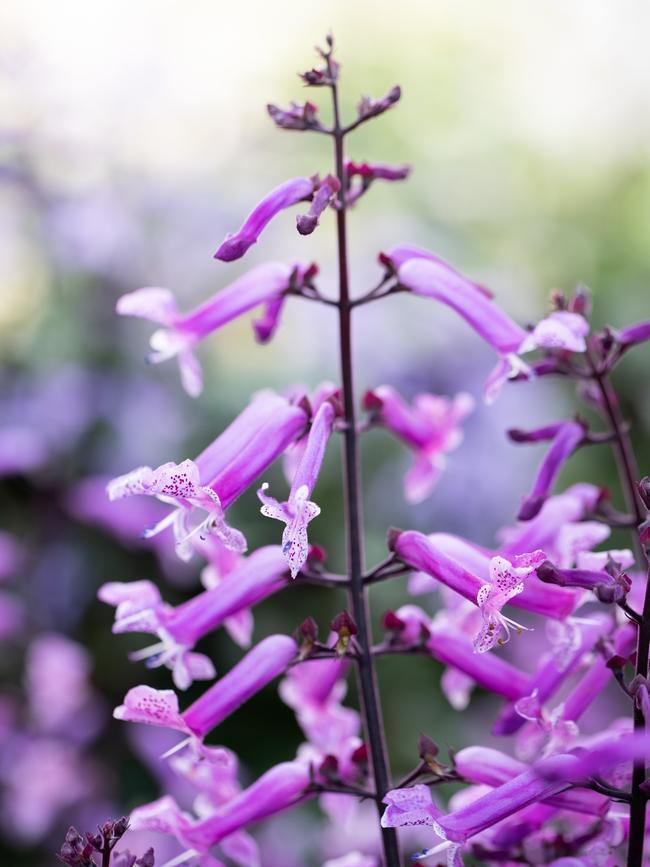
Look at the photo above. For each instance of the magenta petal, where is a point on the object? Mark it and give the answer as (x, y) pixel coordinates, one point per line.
(410, 806)
(158, 707)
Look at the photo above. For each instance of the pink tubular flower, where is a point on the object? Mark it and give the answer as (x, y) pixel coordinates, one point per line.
(431, 427)
(549, 601)
(505, 581)
(279, 789)
(525, 789)
(427, 275)
(566, 440)
(219, 474)
(139, 608)
(299, 510)
(287, 194)
(181, 332)
(160, 707)
(323, 196)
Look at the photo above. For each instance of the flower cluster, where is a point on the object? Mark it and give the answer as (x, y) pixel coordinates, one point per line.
(555, 793)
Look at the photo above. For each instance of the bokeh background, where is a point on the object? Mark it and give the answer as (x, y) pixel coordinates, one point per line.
(133, 136)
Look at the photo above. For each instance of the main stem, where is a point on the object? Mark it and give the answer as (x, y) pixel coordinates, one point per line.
(367, 678)
(628, 475)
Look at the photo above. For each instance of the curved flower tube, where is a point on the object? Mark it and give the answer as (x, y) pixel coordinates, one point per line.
(182, 332)
(427, 275)
(566, 440)
(327, 189)
(287, 194)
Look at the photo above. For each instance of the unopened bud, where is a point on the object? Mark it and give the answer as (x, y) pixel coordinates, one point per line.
(580, 302)
(644, 491)
(345, 628)
(368, 107)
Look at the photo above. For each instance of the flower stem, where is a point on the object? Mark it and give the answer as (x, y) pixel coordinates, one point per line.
(367, 678)
(628, 476)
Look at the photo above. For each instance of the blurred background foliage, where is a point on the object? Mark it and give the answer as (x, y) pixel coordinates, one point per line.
(134, 136)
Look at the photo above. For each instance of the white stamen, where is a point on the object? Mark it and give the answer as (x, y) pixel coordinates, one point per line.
(179, 746)
(181, 859)
(146, 652)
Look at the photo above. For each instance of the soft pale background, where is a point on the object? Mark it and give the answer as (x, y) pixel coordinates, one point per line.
(133, 136)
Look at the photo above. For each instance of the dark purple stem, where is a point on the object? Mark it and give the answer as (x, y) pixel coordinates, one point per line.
(628, 476)
(370, 703)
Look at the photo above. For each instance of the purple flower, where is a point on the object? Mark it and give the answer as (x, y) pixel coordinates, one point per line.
(160, 707)
(427, 275)
(431, 427)
(287, 194)
(490, 767)
(262, 664)
(299, 510)
(559, 528)
(521, 791)
(506, 580)
(598, 675)
(181, 332)
(558, 603)
(566, 440)
(323, 196)
(179, 483)
(139, 608)
(431, 277)
(607, 587)
(219, 474)
(278, 789)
